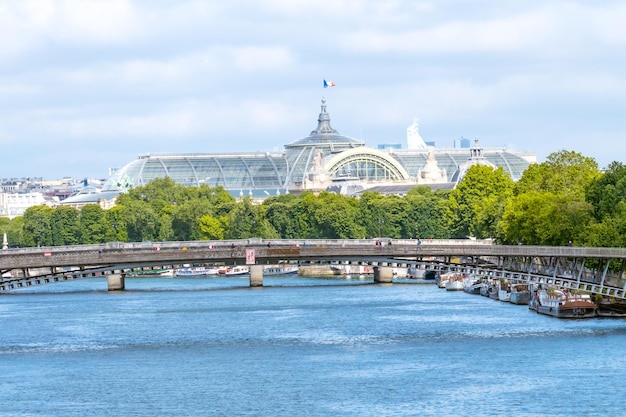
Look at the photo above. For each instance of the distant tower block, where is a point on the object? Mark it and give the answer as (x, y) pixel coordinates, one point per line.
(413, 138)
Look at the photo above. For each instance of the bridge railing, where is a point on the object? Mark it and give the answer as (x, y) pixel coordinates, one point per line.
(229, 250)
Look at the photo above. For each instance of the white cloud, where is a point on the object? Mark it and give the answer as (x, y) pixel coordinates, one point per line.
(607, 23)
(304, 8)
(178, 121)
(550, 28)
(264, 115)
(502, 34)
(11, 88)
(260, 58)
(142, 73)
(215, 70)
(93, 21)
(32, 24)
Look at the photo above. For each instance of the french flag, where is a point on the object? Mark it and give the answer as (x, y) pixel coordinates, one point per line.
(328, 84)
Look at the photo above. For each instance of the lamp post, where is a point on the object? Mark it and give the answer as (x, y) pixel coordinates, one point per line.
(381, 221)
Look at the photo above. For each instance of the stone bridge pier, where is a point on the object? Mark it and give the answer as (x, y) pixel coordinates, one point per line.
(116, 282)
(256, 275)
(383, 274)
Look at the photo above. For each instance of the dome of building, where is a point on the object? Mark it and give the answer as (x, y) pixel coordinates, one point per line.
(341, 156)
(324, 137)
(312, 162)
(476, 158)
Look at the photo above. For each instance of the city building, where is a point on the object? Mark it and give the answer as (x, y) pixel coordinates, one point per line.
(18, 194)
(462, 143)
(313, 162)
(14, 204)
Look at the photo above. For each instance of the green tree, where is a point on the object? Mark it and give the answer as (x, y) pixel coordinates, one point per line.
(14, 231)
(395, 209)
(426, 217)
(177, 207)
(36, 226)
(115, 219)
(221, 201)
(140, 221)
(545, 218)
(284, 214)
(166, 228)
(186, 219)
(280, 216)
(606, 192)
(480, 184)
(94, 226)
(563, 172)
(242, 220)
(264, 229)
(337, 217)
(372, 216)
(610, 232)
(488, 217)
(65, 226)
(5, 223)
(159, 193)
(211, 228)
(549, 206)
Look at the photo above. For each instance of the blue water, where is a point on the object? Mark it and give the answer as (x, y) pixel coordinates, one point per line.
(298, 347)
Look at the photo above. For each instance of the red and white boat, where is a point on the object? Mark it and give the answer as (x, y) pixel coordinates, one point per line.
(562, 303)
(236, 271)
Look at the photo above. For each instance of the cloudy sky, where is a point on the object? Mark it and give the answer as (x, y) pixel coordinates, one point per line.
(86, 85)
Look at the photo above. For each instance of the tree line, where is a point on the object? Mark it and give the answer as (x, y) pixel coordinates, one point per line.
(565, 200)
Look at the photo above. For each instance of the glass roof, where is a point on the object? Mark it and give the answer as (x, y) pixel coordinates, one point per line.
(288, 170)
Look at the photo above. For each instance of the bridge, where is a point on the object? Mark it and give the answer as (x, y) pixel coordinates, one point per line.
(590, 269)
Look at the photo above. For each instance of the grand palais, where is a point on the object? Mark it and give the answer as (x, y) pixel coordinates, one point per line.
(322, 160)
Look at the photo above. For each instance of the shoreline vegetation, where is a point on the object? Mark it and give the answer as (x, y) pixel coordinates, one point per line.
(566, 200)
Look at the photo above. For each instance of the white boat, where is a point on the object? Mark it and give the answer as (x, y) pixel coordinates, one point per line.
(472, 285)
(280, 270)
(562, 303)
(151, 273)
(237, 270)
(455, 283)
(504, 291)
(198, 271)
(442, 279)
(359, 270)
(520, 294)
(454, 286)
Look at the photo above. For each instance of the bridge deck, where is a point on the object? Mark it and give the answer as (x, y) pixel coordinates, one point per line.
(595, 270)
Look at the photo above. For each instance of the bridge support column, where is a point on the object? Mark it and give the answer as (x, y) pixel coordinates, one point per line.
(256, 275)
(116, 282)
(383, 274)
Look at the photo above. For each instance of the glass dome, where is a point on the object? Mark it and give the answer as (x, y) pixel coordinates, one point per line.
(324, 137)
(231, 171)
(324, 151)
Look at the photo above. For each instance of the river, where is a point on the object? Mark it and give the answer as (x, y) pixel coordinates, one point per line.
(298, 347)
